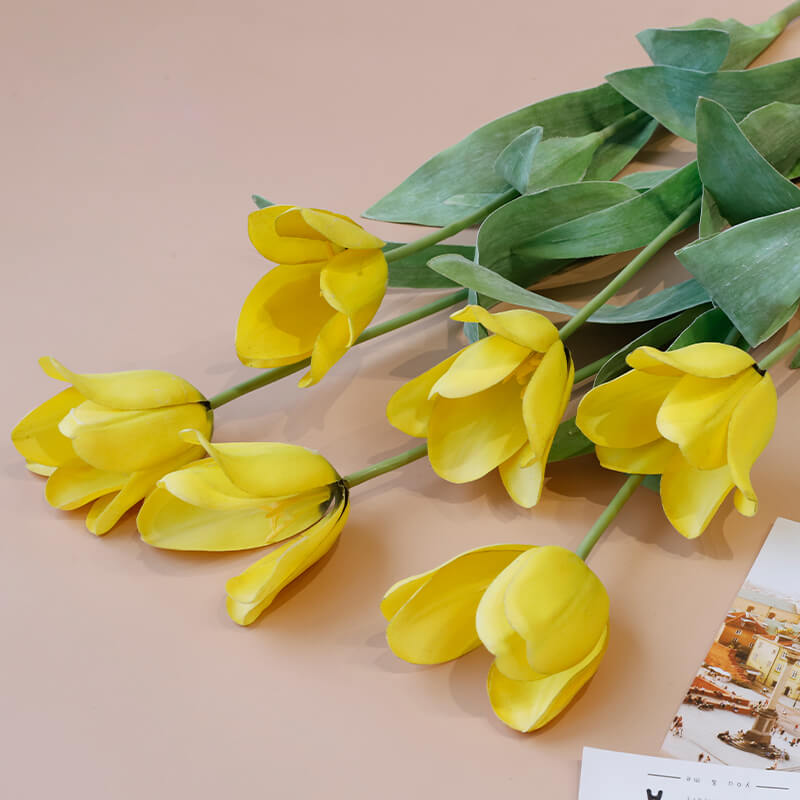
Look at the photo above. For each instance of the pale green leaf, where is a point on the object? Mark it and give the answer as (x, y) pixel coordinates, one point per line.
(515, 163)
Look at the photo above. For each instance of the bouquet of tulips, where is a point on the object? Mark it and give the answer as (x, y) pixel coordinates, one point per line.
(683, 408)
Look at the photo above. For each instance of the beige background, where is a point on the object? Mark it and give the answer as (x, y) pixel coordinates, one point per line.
(133, 134)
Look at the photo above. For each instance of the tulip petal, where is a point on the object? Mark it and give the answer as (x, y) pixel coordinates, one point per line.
(353, 280)
(268, 469)
(622, 412)
(76, 484)
(558, 606)
(340, 230)
(470, 436)
(131, 390)
(751, 427)
(479, 366)
(690, 497)
(205, 485)
(437, 622)
(525, 328)
(36, 435)
(282, 249)
(703, 359)
(529, 705)
(496, 633)
(523, 477)
(648, 459)
(128, 441)
(251, 592)
(282, 317)
(409, 408)
(545, 399)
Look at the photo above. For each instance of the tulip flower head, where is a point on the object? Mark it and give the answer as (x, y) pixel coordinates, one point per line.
(248, 495)
(540, 611)
(699, 416)
(109, 437)
(495, 403)
(329, 281)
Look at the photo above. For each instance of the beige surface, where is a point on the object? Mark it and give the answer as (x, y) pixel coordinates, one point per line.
(133, 135)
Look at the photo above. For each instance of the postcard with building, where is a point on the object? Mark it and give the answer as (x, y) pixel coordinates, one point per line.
(743, 706)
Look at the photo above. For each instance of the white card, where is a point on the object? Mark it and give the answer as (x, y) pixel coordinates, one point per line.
(606, 775)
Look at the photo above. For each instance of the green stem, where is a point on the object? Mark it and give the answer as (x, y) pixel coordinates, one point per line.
(677, 225)
(783, 17)
(611, 511)
(780, 351)
(387, 465)
(272, 375)
(590, 369)
(451, 229)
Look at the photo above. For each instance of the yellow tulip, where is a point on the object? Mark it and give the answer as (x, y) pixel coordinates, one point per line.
(698, 416)
(495, 403)
(330, 280)
(249, 495)
(108, 438)
(540, 611)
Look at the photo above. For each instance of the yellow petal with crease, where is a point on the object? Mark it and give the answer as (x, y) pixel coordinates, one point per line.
(127, 441)
(526, 328)
(354, 279)
(282, 317)
(283, 249)
(523, 477)
(622, 412)
(558, 606)
(205, 485)
(543, 401)
(648, 459)
(480, 365)
(470, 436)
(340, 230)
(751, 427)
(436, 622)
(409, 408)
(268, 469)
(691, 497)
(704, 360)
(36, 435)
(75, 485)
(496, 633)
(134, 389)
(251, 592)
(528, 705)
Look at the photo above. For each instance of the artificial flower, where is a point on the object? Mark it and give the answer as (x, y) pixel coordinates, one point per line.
(699, 416)
(540, 611)
(329, 281)
(109, 437)
(495, 403)
(249, 495)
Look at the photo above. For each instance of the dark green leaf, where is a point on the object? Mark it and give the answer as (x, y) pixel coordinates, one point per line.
(261, 202)
(795, 362)
(658, 336)
(653, 483)
(670, 93)
(486, 282)
(569, 442)
(711, 221)
(692, 48)
(462, 178)
(642, 181)
(752, 272)
(742, 182)
(619, 149)
(515, 163)
(712, 326)
(412, 271)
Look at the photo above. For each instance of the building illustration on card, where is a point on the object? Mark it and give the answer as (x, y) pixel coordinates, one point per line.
(743, 706)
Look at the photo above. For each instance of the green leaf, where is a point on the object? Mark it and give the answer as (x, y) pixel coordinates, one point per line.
(486, 282)
(752, 272)
(261, 202)
(692, 48)
(712, 326)
(642, 181)
(508, 228)
(741, 180)
(462, 177)
(474, 330)
(619, 149)
(562, 159)
(670, 94)
(569, 442)
(625, 226)
(657, 336)
(795, 362)
(412, 271)
(653, 483)
(711, 221)
(515, 163)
